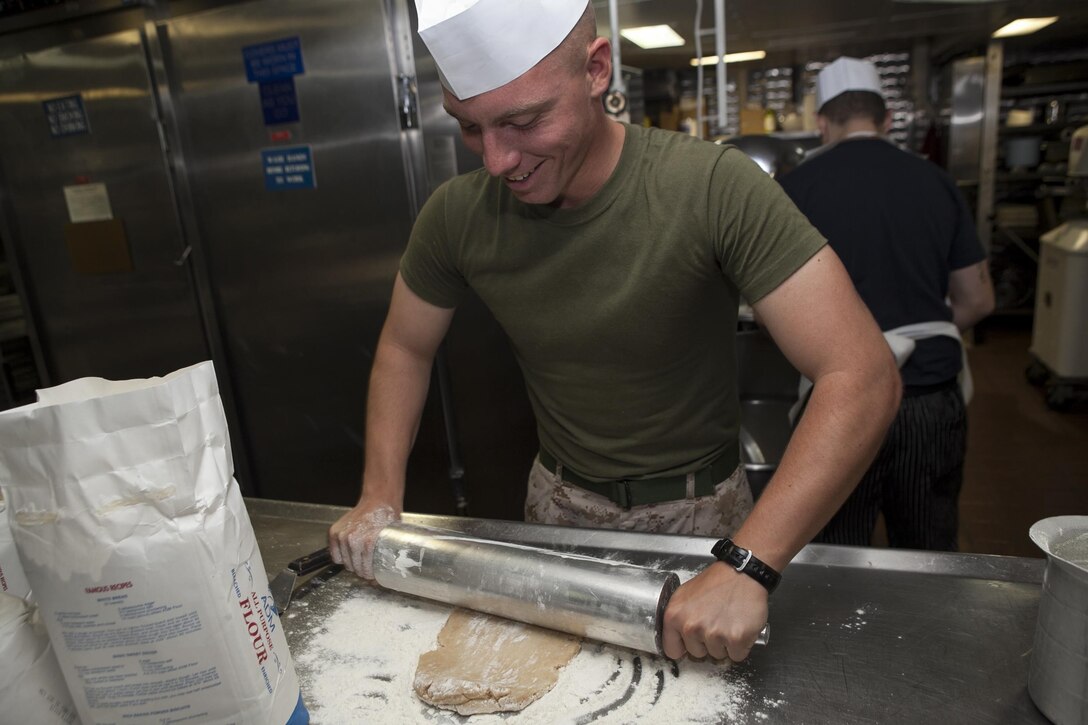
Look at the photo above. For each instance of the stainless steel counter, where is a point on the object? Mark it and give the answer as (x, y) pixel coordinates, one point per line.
(857, 635)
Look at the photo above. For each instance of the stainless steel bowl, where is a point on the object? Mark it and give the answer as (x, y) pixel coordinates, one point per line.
(776, 155)
(1058, 674)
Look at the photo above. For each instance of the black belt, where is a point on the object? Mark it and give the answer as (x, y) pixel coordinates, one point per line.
(913, 391)
(627, 492)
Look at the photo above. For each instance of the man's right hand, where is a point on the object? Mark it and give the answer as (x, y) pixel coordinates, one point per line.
(352, 538)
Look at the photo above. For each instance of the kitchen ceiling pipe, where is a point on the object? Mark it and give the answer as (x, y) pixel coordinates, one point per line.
(617, 74)
(719, 44)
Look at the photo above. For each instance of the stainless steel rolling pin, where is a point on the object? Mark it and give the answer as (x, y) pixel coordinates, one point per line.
(609, 601)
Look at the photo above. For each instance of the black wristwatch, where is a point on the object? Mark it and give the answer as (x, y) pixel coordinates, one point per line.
(743, 561)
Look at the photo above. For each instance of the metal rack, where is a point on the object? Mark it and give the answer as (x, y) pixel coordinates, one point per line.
(1014, 205)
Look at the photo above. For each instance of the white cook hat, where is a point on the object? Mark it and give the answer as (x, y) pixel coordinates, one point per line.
(846, 74)
(480, 45)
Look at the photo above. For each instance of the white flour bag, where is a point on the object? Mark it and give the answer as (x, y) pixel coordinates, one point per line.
(136, 542)
(12, 579)
(32, 689)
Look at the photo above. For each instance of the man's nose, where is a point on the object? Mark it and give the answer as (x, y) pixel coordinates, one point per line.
(500, 157)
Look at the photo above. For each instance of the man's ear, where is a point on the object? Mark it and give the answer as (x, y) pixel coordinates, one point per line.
(599, 66)
(887, 122)
(824, 126)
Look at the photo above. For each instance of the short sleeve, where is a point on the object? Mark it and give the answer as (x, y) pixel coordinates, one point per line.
(760, 235)
(427, 266)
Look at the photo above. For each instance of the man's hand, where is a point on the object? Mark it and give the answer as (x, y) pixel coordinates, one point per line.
(718, 613)
(353, 537)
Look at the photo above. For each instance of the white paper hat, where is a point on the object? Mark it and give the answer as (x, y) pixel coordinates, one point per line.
(846, 74)
(480, 45)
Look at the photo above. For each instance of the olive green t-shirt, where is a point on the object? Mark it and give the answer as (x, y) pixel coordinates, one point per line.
(622, 312)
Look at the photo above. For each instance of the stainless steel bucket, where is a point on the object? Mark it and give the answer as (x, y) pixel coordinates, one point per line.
(1058, 674)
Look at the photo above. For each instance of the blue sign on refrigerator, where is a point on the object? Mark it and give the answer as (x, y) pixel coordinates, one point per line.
(288, 168)
(66, 116)
(279, 103)
(273, 61)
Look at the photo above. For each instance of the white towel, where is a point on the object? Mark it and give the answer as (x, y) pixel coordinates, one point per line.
(902, 341)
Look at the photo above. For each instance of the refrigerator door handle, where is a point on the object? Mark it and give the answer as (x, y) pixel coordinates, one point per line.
(180, 261)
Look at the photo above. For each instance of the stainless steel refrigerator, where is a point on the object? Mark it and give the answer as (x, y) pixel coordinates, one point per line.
(237, 182)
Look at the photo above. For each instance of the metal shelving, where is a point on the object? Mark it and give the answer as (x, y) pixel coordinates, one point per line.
(1015, 205)
(1045, 89)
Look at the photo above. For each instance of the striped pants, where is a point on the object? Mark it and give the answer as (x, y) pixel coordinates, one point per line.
(915, 480)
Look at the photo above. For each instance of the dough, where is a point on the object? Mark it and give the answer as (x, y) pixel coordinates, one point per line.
(489, 664)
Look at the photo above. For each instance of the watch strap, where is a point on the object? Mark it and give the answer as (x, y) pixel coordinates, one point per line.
(745, 562)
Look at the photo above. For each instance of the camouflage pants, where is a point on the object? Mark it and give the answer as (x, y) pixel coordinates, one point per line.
(553, 501)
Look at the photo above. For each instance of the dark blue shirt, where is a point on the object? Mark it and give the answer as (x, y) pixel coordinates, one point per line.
(900, 226)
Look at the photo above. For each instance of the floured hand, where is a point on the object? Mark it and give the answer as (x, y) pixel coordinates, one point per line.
(718, 613)
(352, 538)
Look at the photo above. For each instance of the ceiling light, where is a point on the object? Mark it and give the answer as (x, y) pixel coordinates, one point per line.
(731, 57)
(653, 36)
(1023, 26)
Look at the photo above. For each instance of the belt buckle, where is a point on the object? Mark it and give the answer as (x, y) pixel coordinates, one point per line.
(621, 493)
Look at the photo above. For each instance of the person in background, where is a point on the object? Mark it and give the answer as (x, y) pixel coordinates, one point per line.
(614, 257)
(904, 233)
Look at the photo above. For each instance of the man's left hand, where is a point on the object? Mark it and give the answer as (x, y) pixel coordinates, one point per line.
(718, 613)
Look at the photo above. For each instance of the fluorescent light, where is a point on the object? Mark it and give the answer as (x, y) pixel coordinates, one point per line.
(653, 36)
(731, 57)
(1023, 26)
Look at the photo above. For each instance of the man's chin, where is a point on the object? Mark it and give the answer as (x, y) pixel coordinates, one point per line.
(534, 196)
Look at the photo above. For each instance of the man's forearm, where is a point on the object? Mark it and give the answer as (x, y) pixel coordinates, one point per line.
(842, 428)
(965, 317)
(399, 382)
(970, 294)
(720, 611)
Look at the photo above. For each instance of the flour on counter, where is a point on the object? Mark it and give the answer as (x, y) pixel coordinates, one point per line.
(857, 620)
(359, 664)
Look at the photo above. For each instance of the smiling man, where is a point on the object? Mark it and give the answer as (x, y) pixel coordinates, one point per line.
(615, 258)
(542, 133)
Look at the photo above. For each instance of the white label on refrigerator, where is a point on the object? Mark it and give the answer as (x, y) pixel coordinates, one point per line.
(88, 203)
